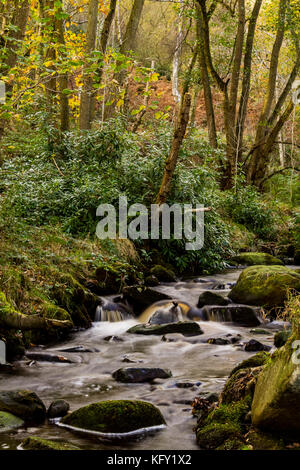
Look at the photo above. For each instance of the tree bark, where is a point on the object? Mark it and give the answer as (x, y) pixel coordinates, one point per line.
(209, 107)
(243, 105)
(63, 81)
(178, 137)
(85, 112)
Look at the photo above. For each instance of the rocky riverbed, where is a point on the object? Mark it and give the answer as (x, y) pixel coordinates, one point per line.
(199, 367)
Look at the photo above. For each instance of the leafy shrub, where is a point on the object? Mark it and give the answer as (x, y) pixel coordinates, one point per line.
(246, 206)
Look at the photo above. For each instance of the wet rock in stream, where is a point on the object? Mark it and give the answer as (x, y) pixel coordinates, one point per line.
(211, 298)
(254, 345)
(46, 357)
(187, 328)
(244, 315)
(79, 349)
(25, 404)
(115, 416)
(8, 422)
(138, 375)
(57, 409)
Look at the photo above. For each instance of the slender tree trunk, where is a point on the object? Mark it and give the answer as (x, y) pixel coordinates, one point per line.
(63, 81)
(103, 45)
(128, 43)
(243, 106)
(178, 137)
(85, 112)
(209, 107)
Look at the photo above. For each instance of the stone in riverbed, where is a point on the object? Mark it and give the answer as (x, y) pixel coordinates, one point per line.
(57, 409)
(255, 259)
(211, 298)
(37, 443)
(187, 328)
(163, 274)
(142, 374)
(46, 357)
(266, 286)
(115, 416)
(244, 315)
(254, 345)
(23, 403)
(8, 422)
(141, 297)
(223, 340)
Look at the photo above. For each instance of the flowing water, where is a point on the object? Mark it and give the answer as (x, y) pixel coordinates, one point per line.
(203, 367)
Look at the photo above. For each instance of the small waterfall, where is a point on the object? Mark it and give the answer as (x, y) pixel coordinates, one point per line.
(103, 314)
(218, 314)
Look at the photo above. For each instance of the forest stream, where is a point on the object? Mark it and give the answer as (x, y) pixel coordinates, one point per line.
(197, 368)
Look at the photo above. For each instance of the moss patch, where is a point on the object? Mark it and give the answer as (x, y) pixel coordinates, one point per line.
(252, 259)
(37, 443)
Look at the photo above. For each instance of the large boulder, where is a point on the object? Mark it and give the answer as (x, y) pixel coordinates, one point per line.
(276, 401)
(25, 404)
(8, 422)
(252, 259)
(140, 374)
(115, 416)
(244, 315)
(187, 328)
(266, 286)
(141, 297)
(211, 298)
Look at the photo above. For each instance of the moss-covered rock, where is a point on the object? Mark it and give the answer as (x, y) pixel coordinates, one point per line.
(266, 286)
(252, 259)
(8, 422)
(264, 441)
(226, 422)
(163, 274)
(37, 443)
(257, 360)
(281, 337)
(25, 404)
(187, 328)
(276, 401)
(214, 435)
(115, 416)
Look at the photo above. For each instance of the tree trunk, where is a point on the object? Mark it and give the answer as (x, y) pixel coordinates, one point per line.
(85, 112)
(103, 45)
(128, 43)
(209, 107)
(243, 106)
(63, 81)
(178, 137)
